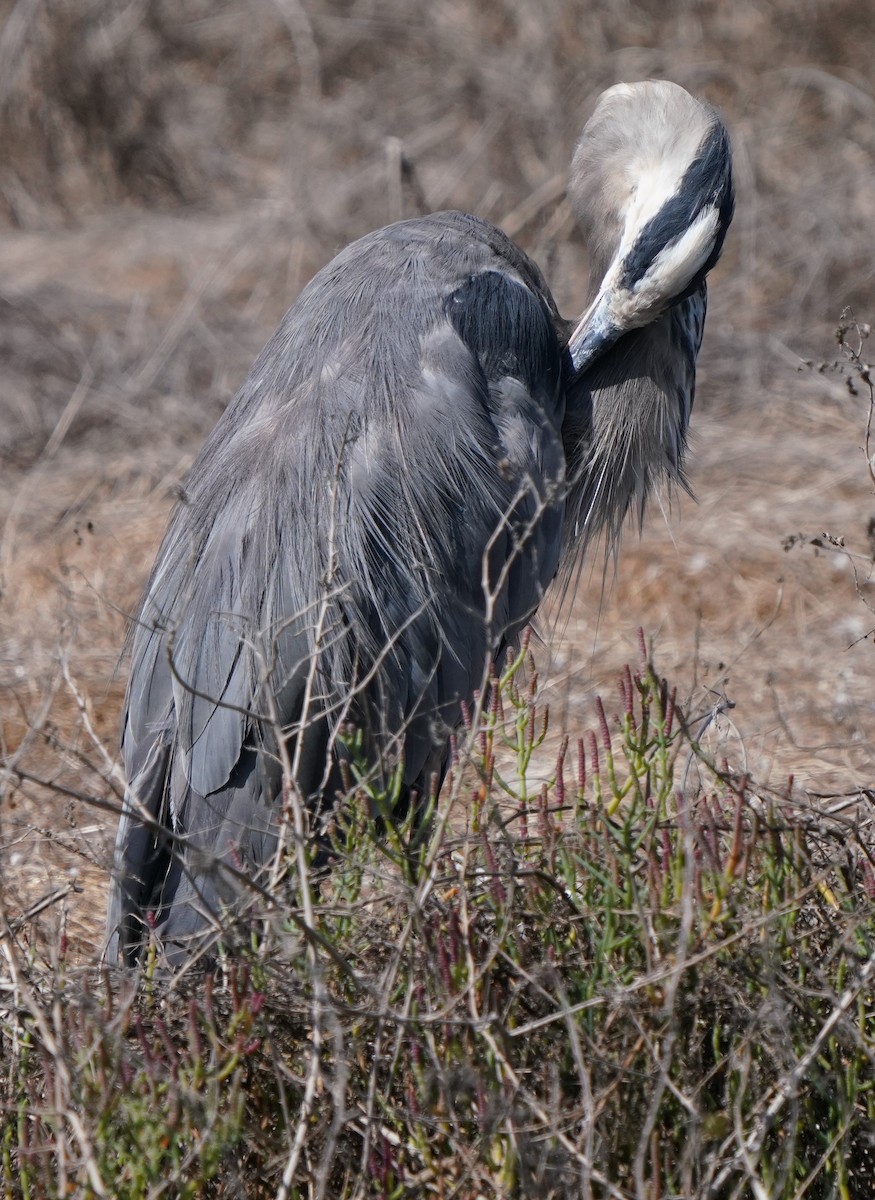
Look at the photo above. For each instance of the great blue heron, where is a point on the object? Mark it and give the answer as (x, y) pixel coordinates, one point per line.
(417, 451)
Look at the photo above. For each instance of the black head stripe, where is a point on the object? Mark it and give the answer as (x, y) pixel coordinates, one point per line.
(707, 183)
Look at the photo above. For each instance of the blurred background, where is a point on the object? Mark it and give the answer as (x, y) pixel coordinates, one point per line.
(173, 171)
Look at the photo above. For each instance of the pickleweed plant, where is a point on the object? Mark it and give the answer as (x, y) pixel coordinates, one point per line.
(603, 964)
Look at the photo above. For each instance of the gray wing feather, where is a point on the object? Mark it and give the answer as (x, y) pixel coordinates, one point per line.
(400, 430)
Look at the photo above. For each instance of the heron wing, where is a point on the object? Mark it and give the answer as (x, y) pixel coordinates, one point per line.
(456, 501)
(381, 499)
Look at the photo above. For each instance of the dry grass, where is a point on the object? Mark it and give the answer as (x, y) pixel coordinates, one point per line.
(173, 173)
(642, 977)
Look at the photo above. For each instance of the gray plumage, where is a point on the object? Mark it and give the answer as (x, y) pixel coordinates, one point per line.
(419, 449)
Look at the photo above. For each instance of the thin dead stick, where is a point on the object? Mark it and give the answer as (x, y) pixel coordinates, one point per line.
(41, 905)
(63, 1078)
(752, 1145)
(584, 1161)
(110, 764)
(662, 974)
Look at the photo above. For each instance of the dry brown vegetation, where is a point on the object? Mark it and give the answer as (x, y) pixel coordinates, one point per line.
(170, 176)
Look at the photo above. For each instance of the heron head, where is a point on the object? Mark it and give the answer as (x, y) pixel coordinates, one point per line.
(651, 185)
